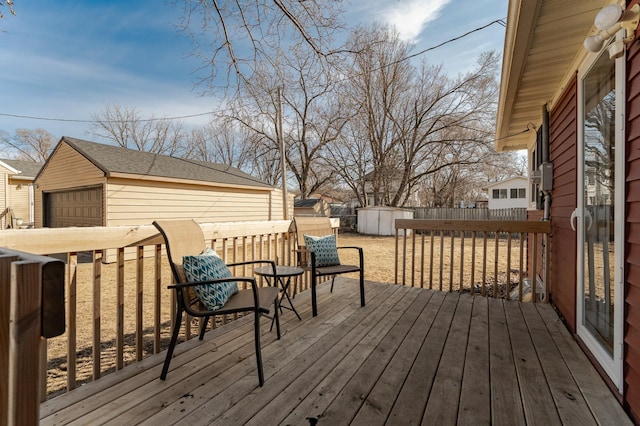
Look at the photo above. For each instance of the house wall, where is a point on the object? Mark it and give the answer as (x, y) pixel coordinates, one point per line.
(563, 136)
(19, 200)
(632, 234)
(66, 169)
(135, 202)
(4, 189)
(12, 196)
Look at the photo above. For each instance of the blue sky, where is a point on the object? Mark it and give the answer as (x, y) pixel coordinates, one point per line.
(68, 59)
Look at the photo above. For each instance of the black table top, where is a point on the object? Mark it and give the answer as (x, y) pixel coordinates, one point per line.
(281, 271)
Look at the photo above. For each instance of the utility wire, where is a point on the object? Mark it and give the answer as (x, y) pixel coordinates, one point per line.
(29, 117)
(501, 22)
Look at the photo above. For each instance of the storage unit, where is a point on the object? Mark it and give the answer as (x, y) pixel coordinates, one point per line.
(379, 220)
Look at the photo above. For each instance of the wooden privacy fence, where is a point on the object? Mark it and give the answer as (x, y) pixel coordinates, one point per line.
(120, 312)
(31, 309)
(506, 259)
(469, 214)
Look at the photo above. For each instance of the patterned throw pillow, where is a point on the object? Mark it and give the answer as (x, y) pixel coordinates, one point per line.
(325, 249)
(209, 266)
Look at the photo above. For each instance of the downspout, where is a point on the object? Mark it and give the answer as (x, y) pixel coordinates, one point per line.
(547, 168)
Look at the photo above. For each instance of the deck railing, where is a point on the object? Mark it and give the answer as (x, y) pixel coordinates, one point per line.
(505, 259)
(118, 307)
(31, 309)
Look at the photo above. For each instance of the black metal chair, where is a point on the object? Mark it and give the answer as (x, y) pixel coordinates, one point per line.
(321, 226)
(185, 238)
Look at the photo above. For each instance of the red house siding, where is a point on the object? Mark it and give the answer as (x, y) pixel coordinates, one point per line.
(632, 237)
(563, 139)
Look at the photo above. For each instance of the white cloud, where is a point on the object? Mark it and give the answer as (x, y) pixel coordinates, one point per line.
(410, 17)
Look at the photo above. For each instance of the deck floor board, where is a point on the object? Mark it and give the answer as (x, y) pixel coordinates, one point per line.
(410, 356)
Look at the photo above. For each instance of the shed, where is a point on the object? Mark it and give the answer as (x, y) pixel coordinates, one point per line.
(380, 220)
(90, 184)
(312, 206)
(17, 192)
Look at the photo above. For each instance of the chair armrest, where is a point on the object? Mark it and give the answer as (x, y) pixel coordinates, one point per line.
(350, 247)
(360, 253)
(216, 281)
(255, 262)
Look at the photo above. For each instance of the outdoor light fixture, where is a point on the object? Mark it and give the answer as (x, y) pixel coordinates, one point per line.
(609, 21)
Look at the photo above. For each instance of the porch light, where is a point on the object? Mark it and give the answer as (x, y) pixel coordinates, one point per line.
(609, 21)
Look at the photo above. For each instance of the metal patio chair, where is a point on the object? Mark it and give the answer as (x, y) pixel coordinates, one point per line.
(185, 238)
(320, 226)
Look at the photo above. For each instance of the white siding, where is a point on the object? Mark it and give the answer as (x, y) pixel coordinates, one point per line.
(519, 183)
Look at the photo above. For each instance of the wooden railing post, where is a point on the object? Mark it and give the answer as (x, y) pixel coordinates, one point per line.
(24, 352)
(5, 309)
(31, 308)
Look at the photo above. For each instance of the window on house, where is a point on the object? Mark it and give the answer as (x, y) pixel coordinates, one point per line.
(499, 193)
(518, 193)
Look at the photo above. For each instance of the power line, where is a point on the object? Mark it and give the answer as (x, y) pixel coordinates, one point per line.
(179, 117)
(422, 52)
(500, 22)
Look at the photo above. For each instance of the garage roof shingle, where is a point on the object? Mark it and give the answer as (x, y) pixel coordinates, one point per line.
(27, 169)
(114, 159)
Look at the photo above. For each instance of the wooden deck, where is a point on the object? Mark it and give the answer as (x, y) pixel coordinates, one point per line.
(410, 356)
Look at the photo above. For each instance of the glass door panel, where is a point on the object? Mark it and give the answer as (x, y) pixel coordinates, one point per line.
(598, 186)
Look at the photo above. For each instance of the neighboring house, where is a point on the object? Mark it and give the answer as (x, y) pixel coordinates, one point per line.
(577, 112)
(312, 206)
(89, 184)
(508, 193)
(16, 191)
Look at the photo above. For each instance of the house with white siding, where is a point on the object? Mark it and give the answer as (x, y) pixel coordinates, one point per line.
(90, 184)
(508, 193)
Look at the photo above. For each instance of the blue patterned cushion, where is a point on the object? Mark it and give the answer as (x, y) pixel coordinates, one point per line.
(209, 266)
(325, 249)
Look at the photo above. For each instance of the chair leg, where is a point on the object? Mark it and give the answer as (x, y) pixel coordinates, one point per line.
(203, 327)
(314, 302)
(277, 318)
(361, 288)
(172, 344)
(258, 352)
(333, 280)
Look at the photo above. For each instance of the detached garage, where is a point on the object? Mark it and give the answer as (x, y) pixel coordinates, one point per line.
(90, 184)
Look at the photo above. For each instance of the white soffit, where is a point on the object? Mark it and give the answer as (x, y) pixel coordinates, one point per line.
(543, 44)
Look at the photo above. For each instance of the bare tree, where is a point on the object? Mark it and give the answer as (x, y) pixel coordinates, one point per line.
(125, 127)
(29, 145)
(9, 3)
(416, 119)
(234, 37)
(313, 117)
(224, 141)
